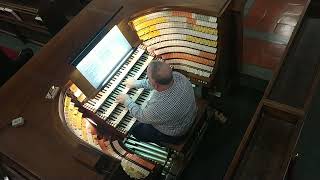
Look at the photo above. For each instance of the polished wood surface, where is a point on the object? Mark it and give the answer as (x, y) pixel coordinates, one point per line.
(42, 145)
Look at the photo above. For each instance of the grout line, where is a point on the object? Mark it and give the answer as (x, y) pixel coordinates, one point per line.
(265, 36)
(256, 71)
(247, 7)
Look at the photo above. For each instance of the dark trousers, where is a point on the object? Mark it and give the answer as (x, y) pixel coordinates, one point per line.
(147, 133)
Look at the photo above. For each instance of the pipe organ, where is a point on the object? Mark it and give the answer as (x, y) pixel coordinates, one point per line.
(118, 117)
(88, 128)
(188, 42)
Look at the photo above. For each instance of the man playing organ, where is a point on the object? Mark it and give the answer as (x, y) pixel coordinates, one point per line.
(171, 110)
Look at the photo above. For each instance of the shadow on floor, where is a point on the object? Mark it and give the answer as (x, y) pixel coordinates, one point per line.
(220, 141)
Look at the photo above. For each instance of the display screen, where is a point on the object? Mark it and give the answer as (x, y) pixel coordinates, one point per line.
(104, 57)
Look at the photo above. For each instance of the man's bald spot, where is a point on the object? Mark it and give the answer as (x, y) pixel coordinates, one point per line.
(161, 72)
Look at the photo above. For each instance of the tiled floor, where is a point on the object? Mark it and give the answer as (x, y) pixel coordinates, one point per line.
(268, 25)
(262, 53)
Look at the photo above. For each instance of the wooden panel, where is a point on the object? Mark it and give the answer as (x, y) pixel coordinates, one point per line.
(270, 139)
(267, 151)
(298, 71)
(20, 20)
(283, 111)
(42, 144)
(210, 7)
(14, 170)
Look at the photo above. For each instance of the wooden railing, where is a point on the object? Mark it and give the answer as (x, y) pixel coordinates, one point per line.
(269, 143)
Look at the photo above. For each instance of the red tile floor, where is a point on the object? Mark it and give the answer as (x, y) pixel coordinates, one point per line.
(268, 26)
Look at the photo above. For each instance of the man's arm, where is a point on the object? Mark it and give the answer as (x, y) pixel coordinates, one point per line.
(143, 115)
(132, 83)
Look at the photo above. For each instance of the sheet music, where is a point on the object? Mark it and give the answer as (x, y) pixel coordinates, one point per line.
(104, 57)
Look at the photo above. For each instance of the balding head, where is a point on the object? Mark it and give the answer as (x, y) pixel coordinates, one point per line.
(160, 72)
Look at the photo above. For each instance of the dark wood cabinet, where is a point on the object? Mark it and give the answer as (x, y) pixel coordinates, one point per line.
(12, 170)
(36, 21)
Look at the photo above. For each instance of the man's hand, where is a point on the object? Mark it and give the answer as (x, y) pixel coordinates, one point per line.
(121, 98)
(130, 83)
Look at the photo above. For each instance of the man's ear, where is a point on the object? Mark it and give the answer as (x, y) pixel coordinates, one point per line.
(156, 85)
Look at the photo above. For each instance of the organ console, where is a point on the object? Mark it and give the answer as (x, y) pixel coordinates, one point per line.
(83, 127)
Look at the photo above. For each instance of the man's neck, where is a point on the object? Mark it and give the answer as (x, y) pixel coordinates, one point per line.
(164, 87)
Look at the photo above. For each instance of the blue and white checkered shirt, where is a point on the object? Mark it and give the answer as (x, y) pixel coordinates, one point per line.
(171, 111)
